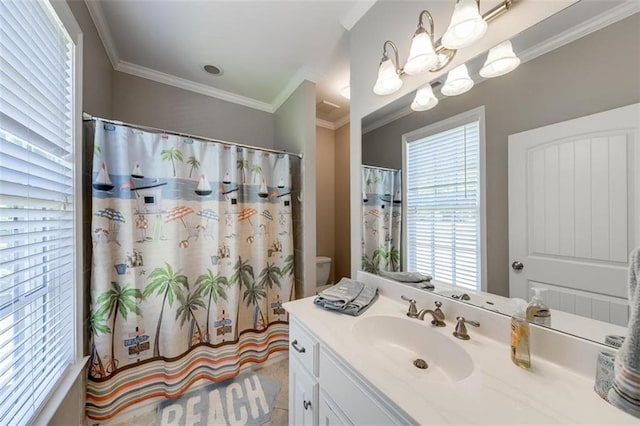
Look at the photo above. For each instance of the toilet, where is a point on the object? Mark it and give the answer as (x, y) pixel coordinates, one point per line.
(323, 270)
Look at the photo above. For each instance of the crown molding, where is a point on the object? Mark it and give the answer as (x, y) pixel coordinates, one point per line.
(332, 125)
(301, 75)
(583, 29)
(325, 124)
(291, 87)
(192, 86)
(342, 121)
(100, 22)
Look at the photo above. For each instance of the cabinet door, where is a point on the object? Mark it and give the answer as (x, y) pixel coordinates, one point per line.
(303, 396)
(329, 414)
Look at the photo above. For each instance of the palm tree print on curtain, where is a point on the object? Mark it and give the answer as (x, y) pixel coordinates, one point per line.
(211, 286)
(97, 325)
(382, 219)
(169, 284)
(203, 261)
(194, 163)
(118, 300)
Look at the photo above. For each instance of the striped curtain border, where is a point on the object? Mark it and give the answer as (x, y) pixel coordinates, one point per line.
(170, 379)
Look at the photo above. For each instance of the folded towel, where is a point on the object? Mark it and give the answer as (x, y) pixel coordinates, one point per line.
(415, 279)
(367, 296)
(625, 393)
(339, 295)
(348, 296)
(406, 277)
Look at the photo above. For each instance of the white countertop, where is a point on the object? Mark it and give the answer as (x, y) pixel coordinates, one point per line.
(497, 392)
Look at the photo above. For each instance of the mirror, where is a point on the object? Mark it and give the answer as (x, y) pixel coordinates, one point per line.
(573, 78)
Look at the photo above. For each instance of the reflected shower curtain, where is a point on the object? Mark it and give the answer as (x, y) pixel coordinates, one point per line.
(192, 260)
(382, 219)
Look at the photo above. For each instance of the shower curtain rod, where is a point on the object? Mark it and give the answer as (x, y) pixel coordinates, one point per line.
(88, 117)
(381, 168)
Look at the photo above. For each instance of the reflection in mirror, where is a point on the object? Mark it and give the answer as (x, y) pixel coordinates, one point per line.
(381, 219)
(552, 85)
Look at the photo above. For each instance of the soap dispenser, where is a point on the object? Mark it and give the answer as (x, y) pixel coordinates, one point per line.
(537, 311)
(520, 335)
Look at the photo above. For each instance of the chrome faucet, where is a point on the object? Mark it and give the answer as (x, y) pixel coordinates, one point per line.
(463, 296)
(437, 315)
(461, 329)
(413, 311)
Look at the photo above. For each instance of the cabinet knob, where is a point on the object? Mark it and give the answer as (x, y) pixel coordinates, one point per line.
(306, 404)
(295, 346)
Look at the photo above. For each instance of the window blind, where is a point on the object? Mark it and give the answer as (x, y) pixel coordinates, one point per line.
(443, 205)
(36, 207)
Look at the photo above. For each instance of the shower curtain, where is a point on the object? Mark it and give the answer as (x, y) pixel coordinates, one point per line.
(382, 219)
(192, 260)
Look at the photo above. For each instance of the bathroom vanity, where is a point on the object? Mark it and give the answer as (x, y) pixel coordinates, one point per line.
(360, 370)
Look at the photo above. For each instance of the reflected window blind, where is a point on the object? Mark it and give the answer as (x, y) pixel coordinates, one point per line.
(36, 207)
(443, 205)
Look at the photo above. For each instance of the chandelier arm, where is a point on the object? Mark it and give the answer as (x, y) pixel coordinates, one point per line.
(395, 51)
(431, 25)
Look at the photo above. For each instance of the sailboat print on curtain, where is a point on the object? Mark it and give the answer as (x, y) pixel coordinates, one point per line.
(137, 172)
(189, 287)
(103, 181)
(203, 188)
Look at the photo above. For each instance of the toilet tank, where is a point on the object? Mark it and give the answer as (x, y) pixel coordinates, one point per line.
(323, 270)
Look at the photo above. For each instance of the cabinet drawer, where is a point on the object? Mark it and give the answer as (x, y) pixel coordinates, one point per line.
(303, 347)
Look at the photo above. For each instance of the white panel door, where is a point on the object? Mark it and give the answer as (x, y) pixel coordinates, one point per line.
(574, 211)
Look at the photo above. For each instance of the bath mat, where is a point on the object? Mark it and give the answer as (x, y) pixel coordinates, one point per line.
(247, 399)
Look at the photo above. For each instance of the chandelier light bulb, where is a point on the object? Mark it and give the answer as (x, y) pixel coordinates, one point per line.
(500, 61)
(388, 81)
(458, 81)
(425, 99)
(466, 27)
(422, 57)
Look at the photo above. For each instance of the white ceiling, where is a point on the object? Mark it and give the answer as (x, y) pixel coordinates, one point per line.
(266, 48)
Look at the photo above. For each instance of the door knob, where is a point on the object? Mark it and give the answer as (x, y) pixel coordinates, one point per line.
(517, 266)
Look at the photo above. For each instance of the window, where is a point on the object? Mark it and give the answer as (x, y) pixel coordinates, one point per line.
(444, 200)
(38, 268)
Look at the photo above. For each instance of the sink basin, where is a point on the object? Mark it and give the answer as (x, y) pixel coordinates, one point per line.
(395, 343)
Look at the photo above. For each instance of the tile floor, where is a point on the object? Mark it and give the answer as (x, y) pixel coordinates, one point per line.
(280, 416)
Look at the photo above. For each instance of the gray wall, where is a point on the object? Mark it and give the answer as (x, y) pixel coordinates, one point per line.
(295, 131)
(97, 70)
(141, 101)
(596, 73)
(342, 262)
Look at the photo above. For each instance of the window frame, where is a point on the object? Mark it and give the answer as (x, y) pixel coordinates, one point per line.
(475, 114)
(73, 374)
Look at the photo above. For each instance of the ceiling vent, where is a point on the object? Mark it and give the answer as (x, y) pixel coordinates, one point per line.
(213, 70)
(326, 107)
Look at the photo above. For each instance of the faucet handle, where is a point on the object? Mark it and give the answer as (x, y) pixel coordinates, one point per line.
(438, 304)
(461, 330)
(413, 310)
